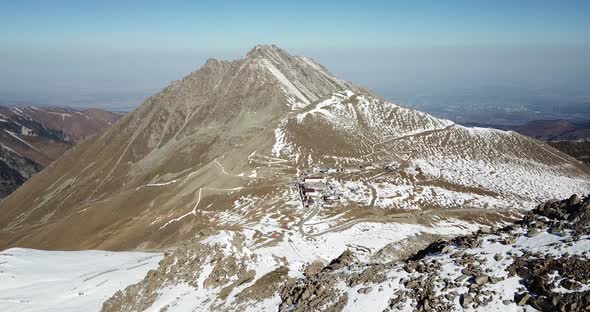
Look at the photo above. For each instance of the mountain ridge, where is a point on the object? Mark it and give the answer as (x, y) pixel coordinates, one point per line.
(547, 129)
(178, 126)
(210, 147)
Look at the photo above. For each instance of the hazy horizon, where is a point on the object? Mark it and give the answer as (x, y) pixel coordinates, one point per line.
(114, 56)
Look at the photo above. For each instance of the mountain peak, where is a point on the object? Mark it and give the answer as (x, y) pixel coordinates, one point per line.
(264, 49)
(302, 80)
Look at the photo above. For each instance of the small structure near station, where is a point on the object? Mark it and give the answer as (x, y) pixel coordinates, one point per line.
(316, 191)
(393, 166)
(327, 170)
(315, 179)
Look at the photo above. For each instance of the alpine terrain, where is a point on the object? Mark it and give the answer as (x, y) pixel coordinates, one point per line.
(580, 149)
(271, 184)
(32, 137)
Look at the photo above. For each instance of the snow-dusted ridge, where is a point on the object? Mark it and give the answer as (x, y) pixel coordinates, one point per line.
(455, 166)
(293, 74)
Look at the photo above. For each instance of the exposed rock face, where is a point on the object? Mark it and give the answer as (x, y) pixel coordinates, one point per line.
(14, 171)
(318, 293)
(201, 266)
(537, 275)
(32, 137)
(345, 259)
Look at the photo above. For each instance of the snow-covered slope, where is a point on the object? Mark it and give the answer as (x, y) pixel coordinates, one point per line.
(37, 280)
(439, 163)
(540, 261)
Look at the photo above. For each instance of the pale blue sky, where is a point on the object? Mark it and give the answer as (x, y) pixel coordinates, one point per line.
(114, 54)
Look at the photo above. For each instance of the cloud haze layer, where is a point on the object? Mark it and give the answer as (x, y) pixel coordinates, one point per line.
(114, 55)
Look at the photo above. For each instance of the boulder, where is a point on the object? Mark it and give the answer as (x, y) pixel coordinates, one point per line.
(574, 200)
(345, 259)
(365, 290)
(555, 230)
(482, 279)
(411, 284)
(458, 254)
(447, 249)
(533, 232)
(485, 230)
(521, 298)
(465, 300)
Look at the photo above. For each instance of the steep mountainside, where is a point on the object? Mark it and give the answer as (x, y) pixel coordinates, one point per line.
(578, 149)
(223, 107)
(32, 137)
(285, 165)
(14, 170)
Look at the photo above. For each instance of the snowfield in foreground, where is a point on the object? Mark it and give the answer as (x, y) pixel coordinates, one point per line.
(37, 280)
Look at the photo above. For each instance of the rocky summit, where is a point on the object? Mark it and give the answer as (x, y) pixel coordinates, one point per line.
(268, 183)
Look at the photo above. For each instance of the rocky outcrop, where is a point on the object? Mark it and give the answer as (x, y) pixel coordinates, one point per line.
(499, 267)
(198, 266)
(537, 275)
(14, 171)
(524, 269)
(318, 293)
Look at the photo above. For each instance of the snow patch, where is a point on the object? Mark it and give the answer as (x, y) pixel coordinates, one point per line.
(38, 280)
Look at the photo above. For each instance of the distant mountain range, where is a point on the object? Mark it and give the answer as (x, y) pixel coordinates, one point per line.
(502, 106)
(547, 130)
(32, 137)
(556, 130)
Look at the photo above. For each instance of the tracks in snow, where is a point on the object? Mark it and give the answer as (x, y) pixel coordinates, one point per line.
(401, 217)
(406, 136)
